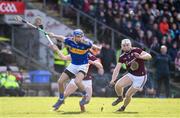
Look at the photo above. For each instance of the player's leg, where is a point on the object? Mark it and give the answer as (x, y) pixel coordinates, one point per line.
(89, 93)
(64, 77)
(119, 88)
(79, 77)
(121, 84)
(61, 82)
(131, 91)
(78, 81)
(67, 74)
(137, 85)
(88, 88)
(82, 71)
(70, 88)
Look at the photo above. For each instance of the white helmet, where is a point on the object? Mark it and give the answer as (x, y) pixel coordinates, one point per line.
(126, 41)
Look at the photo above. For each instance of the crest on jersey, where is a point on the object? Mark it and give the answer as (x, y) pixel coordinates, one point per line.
(134, 66)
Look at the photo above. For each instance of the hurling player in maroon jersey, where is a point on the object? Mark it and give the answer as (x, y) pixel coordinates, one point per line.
(136, 77)
(87, 81)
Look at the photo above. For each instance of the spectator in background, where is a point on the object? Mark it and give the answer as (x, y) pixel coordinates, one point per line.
(173, 51)
(162, 71)
(163, 40)
(177, 61)
(156, 32)
(11, 84)
(109, 17)
(155, 45)
(100, 8)
(6, 57)
(177, 67)
(149, 38)
(175, 32)
(146, 15)
(129, 30)
(38, 22)
(164, 26)
(168, 41)
(101, 17)
(108, 58)
(2, 82)
(142, 38)
(137, 30)
(115, 9)
(86, 6)
(94, 8)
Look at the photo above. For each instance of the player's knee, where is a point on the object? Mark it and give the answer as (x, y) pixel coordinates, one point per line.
(77, 81)
(118, 86)
(60, 81)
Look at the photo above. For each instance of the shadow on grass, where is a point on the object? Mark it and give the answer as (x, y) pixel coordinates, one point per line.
(126, 112)
(72, 112)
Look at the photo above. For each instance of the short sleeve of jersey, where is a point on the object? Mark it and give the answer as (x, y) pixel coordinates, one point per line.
(90, 44)
(138, 50)
(66, 41)
(121, 59)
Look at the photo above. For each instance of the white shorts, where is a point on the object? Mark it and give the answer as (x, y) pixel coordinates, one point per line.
(137, 81)
(76, 68)
(86, 83)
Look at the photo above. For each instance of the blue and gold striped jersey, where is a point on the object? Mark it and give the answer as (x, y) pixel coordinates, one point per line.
(78, 51)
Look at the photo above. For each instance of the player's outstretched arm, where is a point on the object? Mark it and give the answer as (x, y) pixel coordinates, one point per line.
(115, 73)
(58, 37)
(144, 55)
(61, 55)
(64, 57)
(98, 65)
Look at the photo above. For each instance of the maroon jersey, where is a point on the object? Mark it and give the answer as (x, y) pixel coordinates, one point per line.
(90, 70)
(134, 66)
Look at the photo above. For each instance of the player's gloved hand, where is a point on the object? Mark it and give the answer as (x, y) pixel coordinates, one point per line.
(50, 34)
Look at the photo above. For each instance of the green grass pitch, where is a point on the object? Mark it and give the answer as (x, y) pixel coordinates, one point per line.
(40, 107)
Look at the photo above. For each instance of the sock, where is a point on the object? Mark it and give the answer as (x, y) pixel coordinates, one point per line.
(84, 93)
(61, 96)
(120, 97)
(123, 107)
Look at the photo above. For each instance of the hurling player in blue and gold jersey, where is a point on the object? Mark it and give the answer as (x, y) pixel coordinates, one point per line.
(78, 47)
